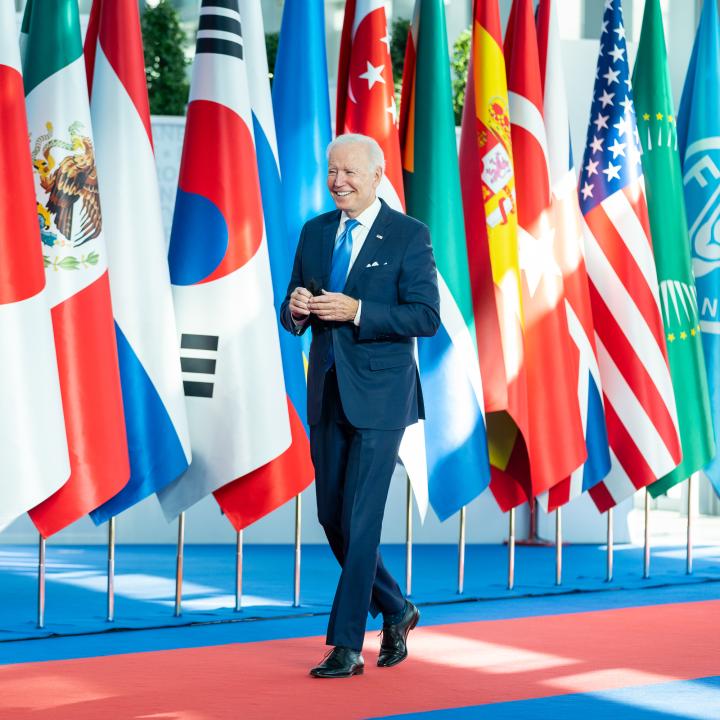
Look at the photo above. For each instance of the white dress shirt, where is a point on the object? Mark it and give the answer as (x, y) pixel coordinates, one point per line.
(359, 234)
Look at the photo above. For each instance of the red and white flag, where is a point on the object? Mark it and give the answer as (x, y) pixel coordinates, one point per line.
(34, 459)
(554, 443)
(366, 104)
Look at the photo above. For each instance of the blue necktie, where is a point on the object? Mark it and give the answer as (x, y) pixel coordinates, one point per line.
(341, 257)
(339, 271)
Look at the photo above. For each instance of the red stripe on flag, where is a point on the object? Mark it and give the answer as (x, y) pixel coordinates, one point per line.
(601, 497)
(629, 456)
(116, 25)
(228, 179)
(92, 403)
(258, 493)
(627, 270)
(633, 371)
(21, 266)
(638, 203)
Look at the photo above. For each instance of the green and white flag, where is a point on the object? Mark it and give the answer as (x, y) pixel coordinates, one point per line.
(664, 183)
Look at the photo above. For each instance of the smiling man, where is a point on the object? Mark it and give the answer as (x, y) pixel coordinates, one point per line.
(364, 280)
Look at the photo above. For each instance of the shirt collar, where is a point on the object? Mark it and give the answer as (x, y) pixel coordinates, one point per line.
(367, 217)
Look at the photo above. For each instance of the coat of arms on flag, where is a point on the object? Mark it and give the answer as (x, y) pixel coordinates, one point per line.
(69, 213)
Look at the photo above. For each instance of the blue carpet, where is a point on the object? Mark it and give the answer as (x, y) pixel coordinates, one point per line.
(76, 585)
(680, 700)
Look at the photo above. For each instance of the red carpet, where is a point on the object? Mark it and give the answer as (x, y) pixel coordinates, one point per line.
(450, 666)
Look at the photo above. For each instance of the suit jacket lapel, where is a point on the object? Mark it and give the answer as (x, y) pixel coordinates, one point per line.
(374, 239)
(328, 243)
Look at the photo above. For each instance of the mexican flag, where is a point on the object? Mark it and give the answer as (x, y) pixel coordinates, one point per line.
(71, 230)
(671, 243)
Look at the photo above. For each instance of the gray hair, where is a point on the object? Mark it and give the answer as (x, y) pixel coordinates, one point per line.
(374, 151)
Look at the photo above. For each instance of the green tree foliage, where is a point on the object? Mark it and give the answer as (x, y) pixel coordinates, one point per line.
(459, 63)
(398, 42)
(271, 46)
(165, 61)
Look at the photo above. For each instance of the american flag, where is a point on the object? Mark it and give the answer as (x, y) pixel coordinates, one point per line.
(639, 400)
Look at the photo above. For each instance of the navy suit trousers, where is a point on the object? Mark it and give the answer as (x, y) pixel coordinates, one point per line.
(353, 467)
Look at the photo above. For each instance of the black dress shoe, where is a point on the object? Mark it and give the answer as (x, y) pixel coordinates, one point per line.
(393, 648)
(340, 662)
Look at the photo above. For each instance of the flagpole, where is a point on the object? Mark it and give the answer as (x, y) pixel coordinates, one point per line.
(511, 551)
(558, 546)
(408, 539)
(41, 583)
(111, 571)
(689, 561)
(610, 546)
(461, 550)
(298, 550)
(646, 553)
(179, 565)
(238, 570)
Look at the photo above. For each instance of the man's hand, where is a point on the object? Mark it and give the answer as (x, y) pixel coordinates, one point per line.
(299, 303)
(333, 306)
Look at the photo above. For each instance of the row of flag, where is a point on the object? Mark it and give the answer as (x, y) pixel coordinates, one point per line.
(571, 351)
(570, 356)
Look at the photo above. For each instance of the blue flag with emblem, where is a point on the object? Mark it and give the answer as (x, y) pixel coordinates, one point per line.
(699, 145)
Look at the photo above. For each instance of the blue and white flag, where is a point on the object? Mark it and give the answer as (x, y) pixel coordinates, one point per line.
(699, 145)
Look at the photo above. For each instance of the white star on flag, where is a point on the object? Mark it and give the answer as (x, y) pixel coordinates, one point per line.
(627, 104)
(537, 257)
(612, 171)
(373, 75)
(601, 121)
(605, 24)
(611, 76)
(621, 125)
(392, 109)
(606, 98)
(386, 40)
(587, 190)
(591, 167)
(617, 148)
(608, 4)
(617, 53)
(620, 30)
(597, 144)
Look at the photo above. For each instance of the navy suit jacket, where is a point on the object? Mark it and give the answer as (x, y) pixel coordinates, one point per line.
(395, 277)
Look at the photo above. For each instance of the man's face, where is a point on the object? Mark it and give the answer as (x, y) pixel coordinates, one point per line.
(351, 179)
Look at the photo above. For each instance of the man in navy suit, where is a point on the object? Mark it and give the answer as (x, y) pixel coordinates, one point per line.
(364, 280)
